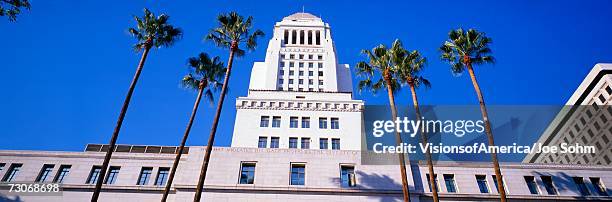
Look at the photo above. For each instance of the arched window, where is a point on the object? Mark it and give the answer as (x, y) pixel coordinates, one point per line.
(293, 37)
(301, 36)
(318, 35)
(310, 37)
(286, 37)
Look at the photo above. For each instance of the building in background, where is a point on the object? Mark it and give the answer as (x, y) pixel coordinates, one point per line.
(297, 137)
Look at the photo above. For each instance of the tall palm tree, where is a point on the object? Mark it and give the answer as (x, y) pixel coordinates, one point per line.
(462, 50)
(379, 72)
(12, 8)
(205, 77)
(233, 31)
(409, 66)
(150, 31)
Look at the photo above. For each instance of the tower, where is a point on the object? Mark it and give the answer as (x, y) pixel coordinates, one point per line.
(299, 97)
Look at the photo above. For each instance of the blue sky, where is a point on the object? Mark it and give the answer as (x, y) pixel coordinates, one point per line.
(65, 65)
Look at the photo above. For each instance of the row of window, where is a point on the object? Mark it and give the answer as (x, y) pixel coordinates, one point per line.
(304, 143)
(294, 122)
(297, 174)
(301, 56)
(530, 181)
(302, 35)
(300, 81)
(301, 65)
(45, 174)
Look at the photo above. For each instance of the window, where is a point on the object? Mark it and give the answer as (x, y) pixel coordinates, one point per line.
(305, 143)
(582, 188)
(310, 57)
(481, 180)
(291, 64)
(293, 142)
(301, 56)
(162, 175)
(276, 121)
(282, 55)
(322, 123)
(320, 82)
(282, 72)
(264, 121)
(281, 81)
(323, 143)
(449, 182)
(549, 185)
(293, 122)
(93, 174)
(318, 37)
(608, 90)
(62, 173)
(301, 37)
(599, 186)
(2, 166)
(320, 73)
(291, 56)
(293, 37)
(435, 182)
(320, 65)
(531, 184)
(274, 142)
(263, 141)
(310, 73)
(310, 37)
(12, 172)
(300, 65)
(145, 174)
(320, 57)
(305, 122)
(298, 174)
(112, 175)
(301, 81)
(495, 182)
(310, 65)
(347, 176)
(286, 37)
(291, 81)
(45, 172)
(335, 124)
(310, 82)
(335, 144)
(247, 173)
(282, 64)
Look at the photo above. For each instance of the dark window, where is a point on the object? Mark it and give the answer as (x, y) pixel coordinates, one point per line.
(310, 73)
(247, 173)
(145, 174)
(320, 65)
(323, 123)
(291, 56)
(318, 37)
(276, 121)
(347, 176)
(274, 142)
(495, 182)
(305, 143)
(599, 186)
(113, 173)
(305, 122)
(265, 120)
(531, 184)
(323, 143)
(549, 185)
(281, 81)
(45, 172)
(93, 174)
(335, 144)
(263, 141)
(293, 122)
(162, 176)
(602, 99)
(62, 173)
(608, 90)
(449, 181)
(293, 142)
(298, 174)
(310, 37)
(293, 37)
(290, 81)
(301, 56)
(310, 65)
(286, 37)
(435, 182)
(582, 188)
(2, 166)
(301, 36)
(481, 180)
(301, 65)
(320, 73)
(335, 123)
(12, 172)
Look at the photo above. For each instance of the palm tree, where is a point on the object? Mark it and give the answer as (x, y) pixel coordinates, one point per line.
(205, 77)
(409, 67)
(462, 50)
(12, 8)
(233, 31)
(150, 31)
(380, 63)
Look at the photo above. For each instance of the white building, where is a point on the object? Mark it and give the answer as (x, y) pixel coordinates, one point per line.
(279, 168)
(300, 97)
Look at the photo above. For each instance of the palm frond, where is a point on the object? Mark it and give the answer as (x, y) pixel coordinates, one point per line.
(154, 31)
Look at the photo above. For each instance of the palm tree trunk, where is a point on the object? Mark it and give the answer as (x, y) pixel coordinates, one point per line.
(213, 130)
(424, 141)
(398, 139)
(124, 108)
(182, 146)
(485, 116)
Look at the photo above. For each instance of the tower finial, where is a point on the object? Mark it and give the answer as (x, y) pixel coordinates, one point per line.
(302, 8)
